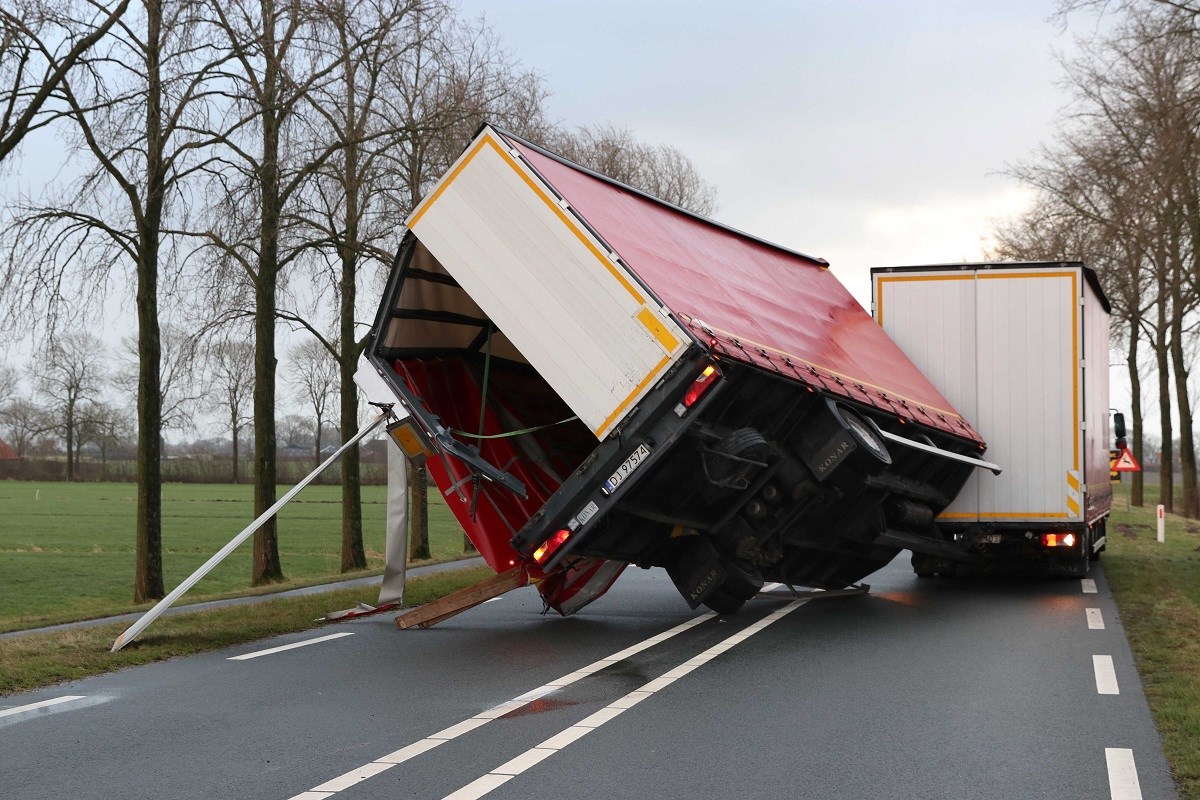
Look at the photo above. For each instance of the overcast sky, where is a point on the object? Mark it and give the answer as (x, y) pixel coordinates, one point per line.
(867, 133)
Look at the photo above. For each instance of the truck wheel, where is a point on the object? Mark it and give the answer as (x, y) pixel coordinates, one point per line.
(739, 586)
(723, 602)
(923, 566)
(871, 455)
(744, 444)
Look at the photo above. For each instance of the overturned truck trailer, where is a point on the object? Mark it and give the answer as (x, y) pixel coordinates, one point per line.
(600, 378)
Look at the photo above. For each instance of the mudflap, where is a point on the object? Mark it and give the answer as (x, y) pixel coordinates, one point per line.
(697, 570)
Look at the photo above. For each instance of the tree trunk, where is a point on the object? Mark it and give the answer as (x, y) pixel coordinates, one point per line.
(353, 554)
(1166, 469)
(234, 427)
(148, 573)
(349, 350)
(266, 567)
(1137, 487)
(1187, 448)
(317, 444)
(69, 425)
(418, 513)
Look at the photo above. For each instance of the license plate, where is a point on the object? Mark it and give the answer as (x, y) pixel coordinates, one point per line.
(626, 469)
(990, 538)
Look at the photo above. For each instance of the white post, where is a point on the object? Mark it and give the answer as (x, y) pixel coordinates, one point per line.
(396, 545)
(136, 628)
(1162, 525)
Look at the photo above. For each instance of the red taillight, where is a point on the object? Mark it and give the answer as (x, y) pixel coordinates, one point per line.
(701, 385)
(543, 553)
(1058, 540)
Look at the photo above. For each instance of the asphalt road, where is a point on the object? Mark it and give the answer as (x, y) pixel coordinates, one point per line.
(921, 689)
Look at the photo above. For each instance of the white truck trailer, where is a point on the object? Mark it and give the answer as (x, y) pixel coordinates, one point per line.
(1021, 350)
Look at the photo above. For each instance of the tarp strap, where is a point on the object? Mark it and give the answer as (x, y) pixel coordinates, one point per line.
(521, 432)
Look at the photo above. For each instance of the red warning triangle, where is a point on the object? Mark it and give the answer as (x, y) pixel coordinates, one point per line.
(1126, 462)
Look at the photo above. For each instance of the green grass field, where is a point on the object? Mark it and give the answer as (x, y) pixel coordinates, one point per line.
(67, 549)
(1157, 589)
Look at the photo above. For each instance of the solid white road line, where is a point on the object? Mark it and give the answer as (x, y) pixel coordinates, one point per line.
(1122, 774)
(390, 760)
(1089, 585)
(8, 712)
(1095, 619)
(293, 646)
(535, 755)
(1106, 676)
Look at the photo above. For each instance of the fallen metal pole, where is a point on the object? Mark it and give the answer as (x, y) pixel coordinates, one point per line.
(136, 628)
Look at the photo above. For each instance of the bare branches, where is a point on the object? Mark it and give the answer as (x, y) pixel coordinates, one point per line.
(659, 170)
(38, 48)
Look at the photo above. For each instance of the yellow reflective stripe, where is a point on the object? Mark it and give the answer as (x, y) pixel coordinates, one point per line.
(1072, 481)
(1004, 515)
(660, 332)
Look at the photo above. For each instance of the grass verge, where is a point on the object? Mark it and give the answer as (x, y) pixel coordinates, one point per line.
(1157, 588)
(30, 662)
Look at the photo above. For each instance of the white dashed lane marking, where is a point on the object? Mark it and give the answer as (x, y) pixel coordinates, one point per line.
(293, 646)
(11, 712)
(1122, 774)
(1095, 619)
(1106, 676)
(1089, 585)
(535, 755)
(383, 763)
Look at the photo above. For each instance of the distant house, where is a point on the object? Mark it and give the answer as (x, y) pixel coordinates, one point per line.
(6, 452)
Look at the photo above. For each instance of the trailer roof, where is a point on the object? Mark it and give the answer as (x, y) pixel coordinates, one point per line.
(748, 299)
(1089, 274)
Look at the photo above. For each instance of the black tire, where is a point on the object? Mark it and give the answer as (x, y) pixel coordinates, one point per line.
(744, 443)
(738, 587)
(871, 455)
(923, 566)
(723, 602)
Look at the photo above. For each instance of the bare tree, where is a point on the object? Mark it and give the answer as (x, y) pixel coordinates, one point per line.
(22, 422)
(138, 118)
(411, 83)
(180, 390)
(68, 374)
(39, 46)
(106, 427)
(659, 170)
(8, 384)
(1127, 163)
(229, 370)
(277, 64)
(314, 373)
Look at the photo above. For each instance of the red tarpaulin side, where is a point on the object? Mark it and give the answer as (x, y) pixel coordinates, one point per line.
(754, 302)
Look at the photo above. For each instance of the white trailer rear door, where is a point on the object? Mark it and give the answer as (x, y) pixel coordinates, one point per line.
(558, 293)
(1003, 346)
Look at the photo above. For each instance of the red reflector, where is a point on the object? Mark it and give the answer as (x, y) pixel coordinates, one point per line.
(1058, 540)
(701, 385)
(543, 553)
